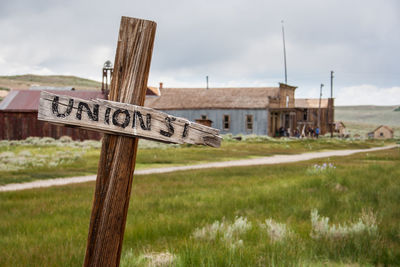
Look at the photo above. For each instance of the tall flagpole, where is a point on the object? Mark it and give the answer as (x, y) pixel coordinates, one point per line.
(284, 50)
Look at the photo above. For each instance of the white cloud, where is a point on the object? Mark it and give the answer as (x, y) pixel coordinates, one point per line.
(368, 95)
(232, 41)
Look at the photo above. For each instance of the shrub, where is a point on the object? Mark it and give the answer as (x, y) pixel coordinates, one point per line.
(228, 233)
(277, 232)
(321, 228)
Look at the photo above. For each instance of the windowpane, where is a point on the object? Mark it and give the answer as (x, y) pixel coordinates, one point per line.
(226, 122)
(249, 122)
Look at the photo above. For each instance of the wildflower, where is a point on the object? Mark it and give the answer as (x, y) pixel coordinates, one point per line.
(25, 153)
(318, 169)
(159, 259)
(229, 233)
(322, 229)
(276, 231)
(6, 155)
(153, 259)
(65, 139)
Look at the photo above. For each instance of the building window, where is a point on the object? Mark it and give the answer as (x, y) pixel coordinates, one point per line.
(305, 115)
(287, 101)
(226, 122)
(203, 117)
(249, 122)
(381, 134)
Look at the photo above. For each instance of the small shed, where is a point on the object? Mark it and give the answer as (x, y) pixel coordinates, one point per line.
(340, 128)
(382, 132)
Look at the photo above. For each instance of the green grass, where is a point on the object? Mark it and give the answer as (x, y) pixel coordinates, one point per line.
(48, 227)
(160, 156)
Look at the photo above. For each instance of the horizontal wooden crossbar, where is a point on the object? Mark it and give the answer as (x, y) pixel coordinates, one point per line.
(124, 119)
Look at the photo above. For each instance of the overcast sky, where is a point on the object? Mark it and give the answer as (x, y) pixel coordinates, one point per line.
(235, 43)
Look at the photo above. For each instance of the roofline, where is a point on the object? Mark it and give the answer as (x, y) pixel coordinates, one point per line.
(263, 108)
(210, 88)
(387, 127)
(287, 86)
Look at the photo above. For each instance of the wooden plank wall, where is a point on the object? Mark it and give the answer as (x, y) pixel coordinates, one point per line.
(21, 125)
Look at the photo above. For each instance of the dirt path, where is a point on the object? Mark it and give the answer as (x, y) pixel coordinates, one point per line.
(233, 163)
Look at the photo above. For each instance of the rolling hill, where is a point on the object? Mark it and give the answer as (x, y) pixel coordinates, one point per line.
(363, 119)
(28, 80)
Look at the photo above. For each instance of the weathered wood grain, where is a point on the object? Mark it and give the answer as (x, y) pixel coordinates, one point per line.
(118, 154)
(124, 119)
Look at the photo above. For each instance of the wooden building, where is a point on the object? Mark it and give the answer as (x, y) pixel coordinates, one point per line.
(382, 132)
(250, 110)
(312, 113)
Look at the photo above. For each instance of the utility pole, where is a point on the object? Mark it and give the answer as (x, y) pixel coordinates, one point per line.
(331, 115)
(207, 81)
(319, 107)
(284, 51)
(332, 83)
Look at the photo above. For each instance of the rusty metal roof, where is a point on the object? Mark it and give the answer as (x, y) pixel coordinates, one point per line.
(28, 100)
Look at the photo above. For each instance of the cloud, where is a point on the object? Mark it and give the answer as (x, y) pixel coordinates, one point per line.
(235, 42)
(368, 95)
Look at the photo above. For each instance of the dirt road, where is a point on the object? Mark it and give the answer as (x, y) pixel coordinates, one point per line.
(233, 163)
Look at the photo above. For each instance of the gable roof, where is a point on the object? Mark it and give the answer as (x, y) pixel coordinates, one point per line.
(28, 100)
(213, 98)
(310, 103)
(152, 91)
(383, 126)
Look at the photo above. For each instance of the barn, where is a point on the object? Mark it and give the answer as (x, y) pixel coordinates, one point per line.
(247, 110)
(18, 116)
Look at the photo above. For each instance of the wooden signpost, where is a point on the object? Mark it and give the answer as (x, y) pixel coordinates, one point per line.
(123, 120)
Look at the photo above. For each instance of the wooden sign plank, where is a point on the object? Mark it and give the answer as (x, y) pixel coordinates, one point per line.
(124, 119)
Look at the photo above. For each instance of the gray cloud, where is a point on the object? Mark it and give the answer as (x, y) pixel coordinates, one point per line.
(235, 42)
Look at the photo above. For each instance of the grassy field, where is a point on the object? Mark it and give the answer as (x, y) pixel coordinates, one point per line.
(34, 158)
(335, 211)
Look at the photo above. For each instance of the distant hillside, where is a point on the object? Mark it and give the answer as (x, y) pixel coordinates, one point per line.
(28, 80)
(375, 115)
(363, 119)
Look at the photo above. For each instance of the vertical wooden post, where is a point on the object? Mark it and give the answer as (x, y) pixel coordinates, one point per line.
(118, 154)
